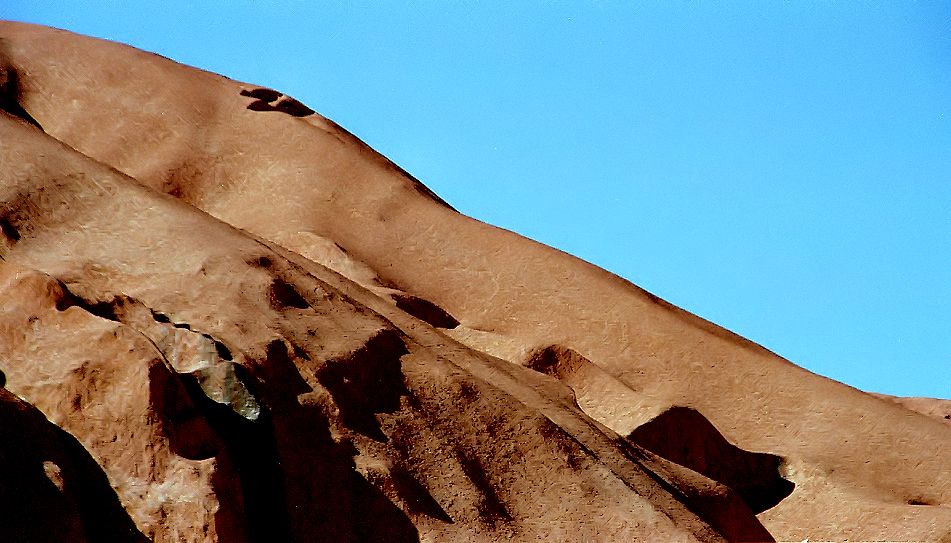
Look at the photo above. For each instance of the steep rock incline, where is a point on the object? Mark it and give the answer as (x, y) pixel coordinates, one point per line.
(231, 390)
(862, 467)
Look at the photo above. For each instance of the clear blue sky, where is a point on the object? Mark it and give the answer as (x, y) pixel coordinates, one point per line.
(782, 169)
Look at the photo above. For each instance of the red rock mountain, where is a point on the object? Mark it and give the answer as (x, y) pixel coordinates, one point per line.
(225, 318)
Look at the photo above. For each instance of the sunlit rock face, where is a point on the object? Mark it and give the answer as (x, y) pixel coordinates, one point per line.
(224, 318)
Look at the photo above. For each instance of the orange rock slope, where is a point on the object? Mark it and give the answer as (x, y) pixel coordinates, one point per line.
(236, 322)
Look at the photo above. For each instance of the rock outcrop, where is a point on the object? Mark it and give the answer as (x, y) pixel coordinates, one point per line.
(224, 318)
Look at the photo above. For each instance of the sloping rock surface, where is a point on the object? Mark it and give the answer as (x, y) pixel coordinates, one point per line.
(236, 322)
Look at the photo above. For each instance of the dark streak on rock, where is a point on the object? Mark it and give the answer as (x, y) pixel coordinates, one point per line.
(425, 310)
(491, 507)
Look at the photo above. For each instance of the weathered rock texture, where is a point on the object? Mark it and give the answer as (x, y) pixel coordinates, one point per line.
(236, 322)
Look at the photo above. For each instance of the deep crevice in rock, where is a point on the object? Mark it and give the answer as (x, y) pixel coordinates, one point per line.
(221, 349)
(182, 423)
(251, 446)
(161, 317)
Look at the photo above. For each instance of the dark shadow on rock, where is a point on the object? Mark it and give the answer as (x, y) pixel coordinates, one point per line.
(684, 436)
(11, 91)
(293, 107)
(271, 100)
(491, 507)
(367, 382)
(282, 295)
(717, 504)
(425, 310)
(50, 487)
(416, 496)
(188, 432)
(252, 460)
(260, 105)
(262, 93)
(279, 374)
(8, 231)
(325, 495)
(280, 475)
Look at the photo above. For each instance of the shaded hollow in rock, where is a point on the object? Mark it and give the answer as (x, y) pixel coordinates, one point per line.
(188, 432)
(262, 93)
(557, 361)
(293, 107)
(425, 310)
(250, 444)
(717, 504)
(8, 231)
(260, 105)
(282, 295)
(684, 436)
(11, 93)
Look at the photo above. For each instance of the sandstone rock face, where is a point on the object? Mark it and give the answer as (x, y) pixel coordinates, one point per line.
(224, 318)
(931, 407)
